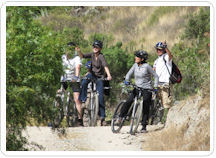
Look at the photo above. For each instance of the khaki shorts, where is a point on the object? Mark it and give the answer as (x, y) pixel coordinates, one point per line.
(163, 92)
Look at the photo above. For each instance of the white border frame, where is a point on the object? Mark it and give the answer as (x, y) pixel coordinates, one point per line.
(5, 3)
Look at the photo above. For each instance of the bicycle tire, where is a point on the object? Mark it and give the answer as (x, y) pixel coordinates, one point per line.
(157, 114)
(59, 114)
(117, 127)
(86, 116)
(95, 109)
(72, 114)
(137, 112)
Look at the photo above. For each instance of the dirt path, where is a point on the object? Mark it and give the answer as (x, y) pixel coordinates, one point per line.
(82, 139)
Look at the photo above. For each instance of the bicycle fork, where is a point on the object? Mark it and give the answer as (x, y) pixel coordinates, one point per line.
(134, 108)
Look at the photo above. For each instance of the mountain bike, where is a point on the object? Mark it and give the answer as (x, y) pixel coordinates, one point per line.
(64, 105)
(91, 111)
(156, 110)
(134, 113)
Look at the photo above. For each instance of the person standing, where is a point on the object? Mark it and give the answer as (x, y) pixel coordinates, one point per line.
(163, 68)
(143, 73)
(71, 78)
(98, 67)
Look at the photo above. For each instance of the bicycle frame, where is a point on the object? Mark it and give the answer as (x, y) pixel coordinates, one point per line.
(133, 115)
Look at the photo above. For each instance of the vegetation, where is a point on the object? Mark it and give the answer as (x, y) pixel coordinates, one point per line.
(37, 37)
(192, 55)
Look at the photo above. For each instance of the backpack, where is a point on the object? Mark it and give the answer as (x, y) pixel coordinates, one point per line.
(175, 76)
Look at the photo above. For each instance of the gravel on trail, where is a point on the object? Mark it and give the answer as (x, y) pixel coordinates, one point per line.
(82, 139)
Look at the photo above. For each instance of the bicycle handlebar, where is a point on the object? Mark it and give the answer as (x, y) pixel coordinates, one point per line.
(139, 88)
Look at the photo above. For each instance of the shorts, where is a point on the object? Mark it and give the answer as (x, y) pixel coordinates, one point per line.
(74, 85)
(166, 98)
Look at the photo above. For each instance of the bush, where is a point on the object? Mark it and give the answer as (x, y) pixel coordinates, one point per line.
(192, 55)
(33, 72)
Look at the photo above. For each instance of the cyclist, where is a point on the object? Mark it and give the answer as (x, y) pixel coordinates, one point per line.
(142, 72)
(98, 66)
(71, 66)
(161, 65)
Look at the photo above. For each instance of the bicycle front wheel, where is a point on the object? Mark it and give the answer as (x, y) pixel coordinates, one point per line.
(116, 125)
(94, 109)
(58, 113)
(136, 116)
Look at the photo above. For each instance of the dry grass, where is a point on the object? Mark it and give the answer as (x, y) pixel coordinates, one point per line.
(174, 139)
(177, 138)
(132, 24)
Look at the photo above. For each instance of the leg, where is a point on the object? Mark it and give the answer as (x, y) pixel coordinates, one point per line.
(78, 104)
(146, 104)
(127, 104)
(84, 86)
(100, 89)
(166, 101)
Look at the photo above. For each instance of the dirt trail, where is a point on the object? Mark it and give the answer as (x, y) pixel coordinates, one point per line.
(83, 139)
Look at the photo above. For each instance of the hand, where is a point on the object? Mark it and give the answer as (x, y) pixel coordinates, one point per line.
(109, 78)
(126, 82)
(164, 44)
(155, 89)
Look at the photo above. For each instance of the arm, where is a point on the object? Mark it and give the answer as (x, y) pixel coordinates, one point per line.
(78, 70)
(130, 73)
(156, 78)
(154, 66)
(83, 55)
(109, 77)
(105, 65)
(79, 51)
(168, 51)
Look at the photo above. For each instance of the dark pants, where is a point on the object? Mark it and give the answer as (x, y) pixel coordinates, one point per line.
(100, 90)
(146, 104)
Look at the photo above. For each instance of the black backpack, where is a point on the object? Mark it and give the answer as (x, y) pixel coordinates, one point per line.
(175, 76)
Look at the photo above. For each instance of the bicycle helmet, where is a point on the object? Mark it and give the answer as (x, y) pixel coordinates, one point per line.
(141, 54)
(98, 44)
(88, 65)
(160, 45)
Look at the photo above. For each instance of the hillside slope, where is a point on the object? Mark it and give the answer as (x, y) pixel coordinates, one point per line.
(187, 127)
(141, 27)
(137, 27)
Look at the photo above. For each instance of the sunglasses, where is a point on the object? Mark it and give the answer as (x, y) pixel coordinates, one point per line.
(159, 49)
(96, 47)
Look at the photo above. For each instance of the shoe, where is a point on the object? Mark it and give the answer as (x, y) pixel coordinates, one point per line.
(143, 130)
(80, 123)
(103, 122)
(49, 124)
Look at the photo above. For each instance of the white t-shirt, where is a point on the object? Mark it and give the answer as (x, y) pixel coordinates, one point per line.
(161, 68)
(69, 67)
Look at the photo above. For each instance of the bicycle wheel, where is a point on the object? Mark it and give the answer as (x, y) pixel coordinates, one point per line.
(94, 108)
(72, 114)
(58, 113)
(86, 116)
(136, 116)
(157, 112)
(116, 127)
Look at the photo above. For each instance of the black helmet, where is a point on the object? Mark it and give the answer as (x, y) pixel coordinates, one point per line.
(141, 54)
(98, 44)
